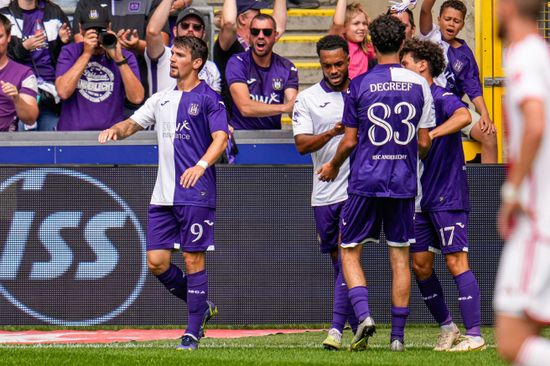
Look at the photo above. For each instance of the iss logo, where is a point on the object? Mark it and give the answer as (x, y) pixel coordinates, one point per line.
(72, 252)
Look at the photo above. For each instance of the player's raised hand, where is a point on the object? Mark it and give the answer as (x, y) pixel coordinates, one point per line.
(106, 135)
(328, 172)
(191, 175)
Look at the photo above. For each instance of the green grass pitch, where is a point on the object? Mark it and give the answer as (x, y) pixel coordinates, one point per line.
(279, 349)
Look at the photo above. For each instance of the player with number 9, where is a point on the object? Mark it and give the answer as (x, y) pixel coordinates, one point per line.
(387, 116)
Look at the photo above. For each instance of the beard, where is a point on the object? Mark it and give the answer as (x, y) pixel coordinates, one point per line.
(339, 86)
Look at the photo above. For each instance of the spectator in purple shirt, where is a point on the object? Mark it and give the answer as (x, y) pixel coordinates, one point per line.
(263, 85)
(93, 79)
(234, 33)
(18, 86)
(461, 76)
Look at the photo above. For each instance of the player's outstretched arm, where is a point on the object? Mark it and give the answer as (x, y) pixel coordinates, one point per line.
(460, 119)
(424, 142)
(306, 144)
(119, 131)
(426, 18)
(191, 175)
(329, 171)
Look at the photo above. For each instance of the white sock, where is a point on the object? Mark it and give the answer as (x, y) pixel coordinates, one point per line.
(534, 351)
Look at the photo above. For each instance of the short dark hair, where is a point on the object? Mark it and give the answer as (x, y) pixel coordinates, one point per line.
(262, 16)
(6, 23)
(197, 46)
(408, 11)
(387, 34)
(427, 51)
(454, 4)
(332, 42)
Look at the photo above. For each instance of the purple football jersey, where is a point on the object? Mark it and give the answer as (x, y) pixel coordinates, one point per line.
(462, 72)
(184, 122)
(98, 100)
(387, 105)
(265, 84)
(444, 182)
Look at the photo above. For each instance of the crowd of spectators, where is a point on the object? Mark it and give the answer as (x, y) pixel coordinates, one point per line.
(95, 72)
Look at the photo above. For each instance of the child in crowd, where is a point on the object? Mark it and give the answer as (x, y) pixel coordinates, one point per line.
(351, 22)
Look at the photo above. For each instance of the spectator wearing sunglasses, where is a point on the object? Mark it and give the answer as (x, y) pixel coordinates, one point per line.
(234, 33)
(263, 85)
(190, 22)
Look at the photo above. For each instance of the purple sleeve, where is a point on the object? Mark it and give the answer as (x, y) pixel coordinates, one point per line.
(470, 78)
(451, 103)
(235, 71)
(65, 60)
(349, 118)
(28, 84)
(292, 82)
(132, 62)
(217, 115)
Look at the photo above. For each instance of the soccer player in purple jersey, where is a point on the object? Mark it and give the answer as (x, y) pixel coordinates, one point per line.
(192, 134)
(317, 124)
(461, 75)
(387, 115)
(442, 205)
(263, 85)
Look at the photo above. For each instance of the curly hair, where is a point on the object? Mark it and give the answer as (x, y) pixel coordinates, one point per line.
(454, 4)
(427, 51)
(332, 42)
(387, 34)
(351, 11)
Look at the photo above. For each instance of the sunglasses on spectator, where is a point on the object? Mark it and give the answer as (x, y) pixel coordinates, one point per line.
(196, 27)
(266, 31)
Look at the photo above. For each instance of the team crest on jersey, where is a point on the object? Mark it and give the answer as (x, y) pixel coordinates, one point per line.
(458, 65)
(277, 83)
(193, 109)
(134, 6)
(93, 14)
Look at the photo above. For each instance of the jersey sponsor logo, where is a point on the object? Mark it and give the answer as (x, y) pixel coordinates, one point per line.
(272, 99)
(251, 81)
(293, 69)
(103, 5)
(324, 104)
(460, 225)
(277, 84)
(193, 109)
(71, 246)
(344, 222)
(163, 103)
(134, 6)
(447, 94)
(96, 83)
(208, 222)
